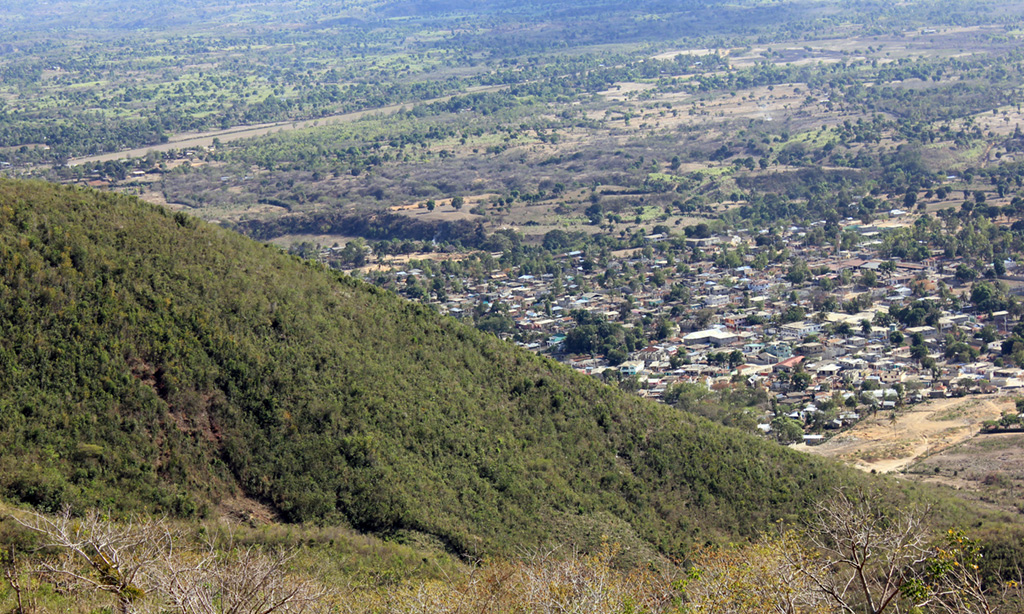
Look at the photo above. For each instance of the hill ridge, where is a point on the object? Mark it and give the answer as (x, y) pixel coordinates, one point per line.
(153, 361)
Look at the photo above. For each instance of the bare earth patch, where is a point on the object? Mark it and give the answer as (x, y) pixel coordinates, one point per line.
(987, 469)
(246, 510)
(880, 444)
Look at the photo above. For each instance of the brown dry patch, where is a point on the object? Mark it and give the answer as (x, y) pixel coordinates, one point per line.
(622, 91)
(988, 468)
(328, 240)
(880, 444)
(242, 509)
(1003, 122)
(671, 55)
(779, 103)
(156, 197)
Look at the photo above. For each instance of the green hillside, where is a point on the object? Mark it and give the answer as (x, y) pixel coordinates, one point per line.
(153, 362)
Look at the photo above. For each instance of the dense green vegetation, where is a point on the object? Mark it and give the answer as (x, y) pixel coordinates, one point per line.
(154, 362)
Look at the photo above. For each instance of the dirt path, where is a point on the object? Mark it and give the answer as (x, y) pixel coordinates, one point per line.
(878, 443)
(195, 140)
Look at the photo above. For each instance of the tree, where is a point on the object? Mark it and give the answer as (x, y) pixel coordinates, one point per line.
(869, 552)
(698, 231)
(965, 273)
(929, 363)
(909, 199)
(869, 279)
(658, 278)
(99, 554)
(798, 273)
(353, 254)
(246, 581)
(13, 576)
(787, 430)
(793, 314)
(630, 384)
(458, 202)
(143, 557)
(988, 333)
(951, 580)
(616, 356)
(556, 240)
(664, 329)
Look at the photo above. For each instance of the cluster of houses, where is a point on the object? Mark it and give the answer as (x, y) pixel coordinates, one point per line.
(824, 362)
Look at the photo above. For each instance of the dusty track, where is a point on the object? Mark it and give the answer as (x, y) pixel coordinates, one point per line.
(878, 443)
(195, 140)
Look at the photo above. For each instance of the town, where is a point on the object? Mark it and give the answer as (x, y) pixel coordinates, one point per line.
(826, 331)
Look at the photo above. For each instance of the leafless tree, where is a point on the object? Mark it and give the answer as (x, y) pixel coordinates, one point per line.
(98, 553)
(13, 577)
(245, 581)
(149, 558)
(869, 553)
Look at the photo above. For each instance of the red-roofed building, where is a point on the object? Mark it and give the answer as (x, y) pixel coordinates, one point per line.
(790, 364)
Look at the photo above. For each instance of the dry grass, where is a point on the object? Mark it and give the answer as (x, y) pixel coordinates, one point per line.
(544, 583)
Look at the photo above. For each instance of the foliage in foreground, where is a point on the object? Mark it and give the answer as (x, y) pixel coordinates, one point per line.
(854, 555)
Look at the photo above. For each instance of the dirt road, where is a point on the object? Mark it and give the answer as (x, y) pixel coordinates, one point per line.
(885, 445)
(195, 140)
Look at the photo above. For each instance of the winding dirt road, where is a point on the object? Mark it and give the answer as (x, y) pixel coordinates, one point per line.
(878, 443)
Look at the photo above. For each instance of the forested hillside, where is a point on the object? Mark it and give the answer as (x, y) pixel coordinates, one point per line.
(154, 362)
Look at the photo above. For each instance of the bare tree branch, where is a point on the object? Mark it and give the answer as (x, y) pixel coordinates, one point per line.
(869, 552)
(144, 558)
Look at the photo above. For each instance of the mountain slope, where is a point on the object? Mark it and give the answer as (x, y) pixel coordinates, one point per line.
(153, 362)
